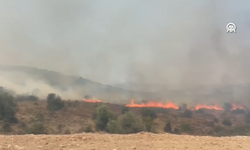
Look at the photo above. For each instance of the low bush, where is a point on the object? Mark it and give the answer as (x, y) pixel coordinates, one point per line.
(36, 128)
(149, 124)
(88, 129)
(126, 123)
(113, 126)
(130, 123)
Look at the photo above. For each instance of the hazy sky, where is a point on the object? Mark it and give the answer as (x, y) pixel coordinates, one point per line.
(178, 43)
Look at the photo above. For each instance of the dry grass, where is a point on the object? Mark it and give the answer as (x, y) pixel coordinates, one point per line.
(77, 115)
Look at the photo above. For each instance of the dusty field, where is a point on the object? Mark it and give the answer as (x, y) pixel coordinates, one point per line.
(141, 141)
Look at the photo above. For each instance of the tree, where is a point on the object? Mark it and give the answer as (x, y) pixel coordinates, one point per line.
(7, 108)
(54, 102)
(102, 117)
(168, 127)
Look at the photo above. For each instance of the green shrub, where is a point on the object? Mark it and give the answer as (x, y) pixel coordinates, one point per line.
(36, 128)
(149, 124)
(88, 129)
(130, 123)
(113, 126)
(126, 123)
(102, 117)
(54, 102)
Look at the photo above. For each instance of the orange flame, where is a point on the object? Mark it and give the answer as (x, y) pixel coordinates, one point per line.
(215, 107)
(92, 100)
(235, 107)
(153, 104)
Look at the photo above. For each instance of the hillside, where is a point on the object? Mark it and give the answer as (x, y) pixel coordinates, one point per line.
(42, 82)
(77, 86)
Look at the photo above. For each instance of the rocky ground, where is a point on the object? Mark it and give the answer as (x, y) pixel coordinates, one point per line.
(140, 141)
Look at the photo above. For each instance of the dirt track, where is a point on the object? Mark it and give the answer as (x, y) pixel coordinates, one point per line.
(141, 141)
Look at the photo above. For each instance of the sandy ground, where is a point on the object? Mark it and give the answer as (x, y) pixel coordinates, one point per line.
(140, 141)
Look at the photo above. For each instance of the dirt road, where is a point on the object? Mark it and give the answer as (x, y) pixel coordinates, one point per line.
(141, 141)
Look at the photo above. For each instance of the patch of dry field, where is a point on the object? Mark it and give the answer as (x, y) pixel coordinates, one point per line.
(140, 141)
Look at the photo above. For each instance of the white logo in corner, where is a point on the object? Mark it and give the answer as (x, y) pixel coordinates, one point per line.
(231, 28)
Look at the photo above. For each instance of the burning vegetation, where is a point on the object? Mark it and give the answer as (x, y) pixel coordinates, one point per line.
(92, 100)
(154, 104)
(171, 105)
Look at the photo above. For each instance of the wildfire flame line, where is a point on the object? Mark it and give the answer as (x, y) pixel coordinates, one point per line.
(153, 104)
(171, 105)
(92, 100)
(174, 106)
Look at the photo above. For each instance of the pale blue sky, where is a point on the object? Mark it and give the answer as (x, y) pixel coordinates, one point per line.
(172, 42)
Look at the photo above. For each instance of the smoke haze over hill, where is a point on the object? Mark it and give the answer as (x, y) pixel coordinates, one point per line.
(178, 44)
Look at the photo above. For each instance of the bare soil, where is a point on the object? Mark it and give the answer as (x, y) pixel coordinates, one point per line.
(140, 141)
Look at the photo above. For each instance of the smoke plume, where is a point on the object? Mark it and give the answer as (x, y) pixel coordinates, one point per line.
(179, 45)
